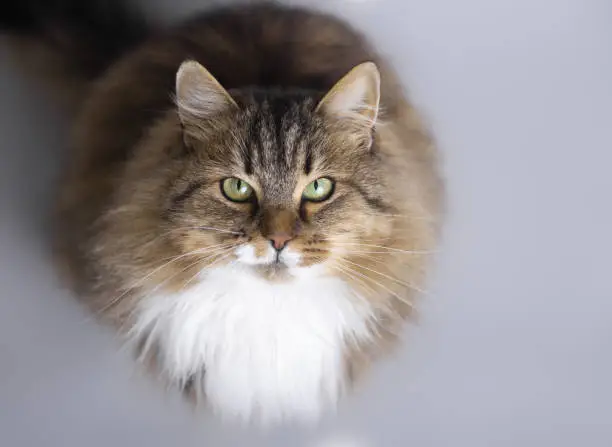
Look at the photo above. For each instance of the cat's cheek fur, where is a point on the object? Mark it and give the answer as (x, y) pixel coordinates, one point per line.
(257, 350)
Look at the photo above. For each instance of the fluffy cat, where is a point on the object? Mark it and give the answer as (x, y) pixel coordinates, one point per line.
(251, 199)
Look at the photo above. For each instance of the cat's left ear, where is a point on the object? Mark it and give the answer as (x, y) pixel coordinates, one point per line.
(356, 97)
(199, 96)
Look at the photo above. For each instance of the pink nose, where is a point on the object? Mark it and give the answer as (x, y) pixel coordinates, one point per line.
(279, 240)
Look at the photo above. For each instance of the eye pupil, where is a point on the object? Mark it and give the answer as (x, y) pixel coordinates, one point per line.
(236, 190)
(319, 190)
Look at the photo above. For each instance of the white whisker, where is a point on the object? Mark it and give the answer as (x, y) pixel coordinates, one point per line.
(398, 281)
(141, 281)
(379, 284)
(352, 276)
(158, 286)
(382, 247)
(200, 227)
(193, 227)
(224, 255)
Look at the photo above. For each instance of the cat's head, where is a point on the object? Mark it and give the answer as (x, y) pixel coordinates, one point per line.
(278, 180)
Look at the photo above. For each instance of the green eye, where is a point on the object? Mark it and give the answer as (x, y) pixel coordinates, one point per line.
(236, 190)
(319, 190)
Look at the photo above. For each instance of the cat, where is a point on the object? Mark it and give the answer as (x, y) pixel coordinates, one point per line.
(251, 199)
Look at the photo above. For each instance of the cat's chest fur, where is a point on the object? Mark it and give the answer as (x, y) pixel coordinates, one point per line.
(266, 350)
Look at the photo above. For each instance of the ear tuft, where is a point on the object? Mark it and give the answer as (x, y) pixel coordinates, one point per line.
(198, 94)
(355, 97)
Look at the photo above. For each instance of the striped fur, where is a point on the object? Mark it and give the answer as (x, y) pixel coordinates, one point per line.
(145, 231)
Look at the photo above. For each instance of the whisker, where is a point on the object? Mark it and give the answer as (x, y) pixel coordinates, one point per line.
(373, 293)
(403, 283)
(407, 216)
(398, 250)
(204, 250)
(352, 276)
(375, 252)
(194, 227)
(138, 283)
(156, 288)
(224, 255)
(200, 227)
(115, 300)
(363, 254)
(209, 255)
(375, 282)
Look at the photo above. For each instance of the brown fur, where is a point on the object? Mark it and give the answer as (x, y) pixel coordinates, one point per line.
(141, 181)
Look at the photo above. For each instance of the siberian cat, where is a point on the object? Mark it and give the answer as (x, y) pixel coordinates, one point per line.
(251, 198)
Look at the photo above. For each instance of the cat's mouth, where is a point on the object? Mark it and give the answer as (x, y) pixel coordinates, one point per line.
(272, 264)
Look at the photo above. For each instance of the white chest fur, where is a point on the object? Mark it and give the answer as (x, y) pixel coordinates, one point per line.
(270, 350)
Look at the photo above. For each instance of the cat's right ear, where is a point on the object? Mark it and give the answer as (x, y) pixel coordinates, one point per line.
(356, 97)
(199, 96)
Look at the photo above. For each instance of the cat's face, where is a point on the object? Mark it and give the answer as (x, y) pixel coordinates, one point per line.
(278, 183)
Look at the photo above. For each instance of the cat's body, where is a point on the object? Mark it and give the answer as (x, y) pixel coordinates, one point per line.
(188, 271)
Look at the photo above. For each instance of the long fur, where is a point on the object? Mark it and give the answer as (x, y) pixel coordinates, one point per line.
(271, 351)
(149, 241)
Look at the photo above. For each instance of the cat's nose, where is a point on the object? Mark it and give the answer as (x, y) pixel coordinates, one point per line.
(280, 240)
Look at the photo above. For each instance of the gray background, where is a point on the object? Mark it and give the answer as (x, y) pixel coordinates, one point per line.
(514, 344)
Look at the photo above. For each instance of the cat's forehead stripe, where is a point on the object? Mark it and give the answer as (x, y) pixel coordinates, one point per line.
(277, 138)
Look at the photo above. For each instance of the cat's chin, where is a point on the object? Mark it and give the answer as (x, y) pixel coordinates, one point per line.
(274, 272)
(281, 273)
